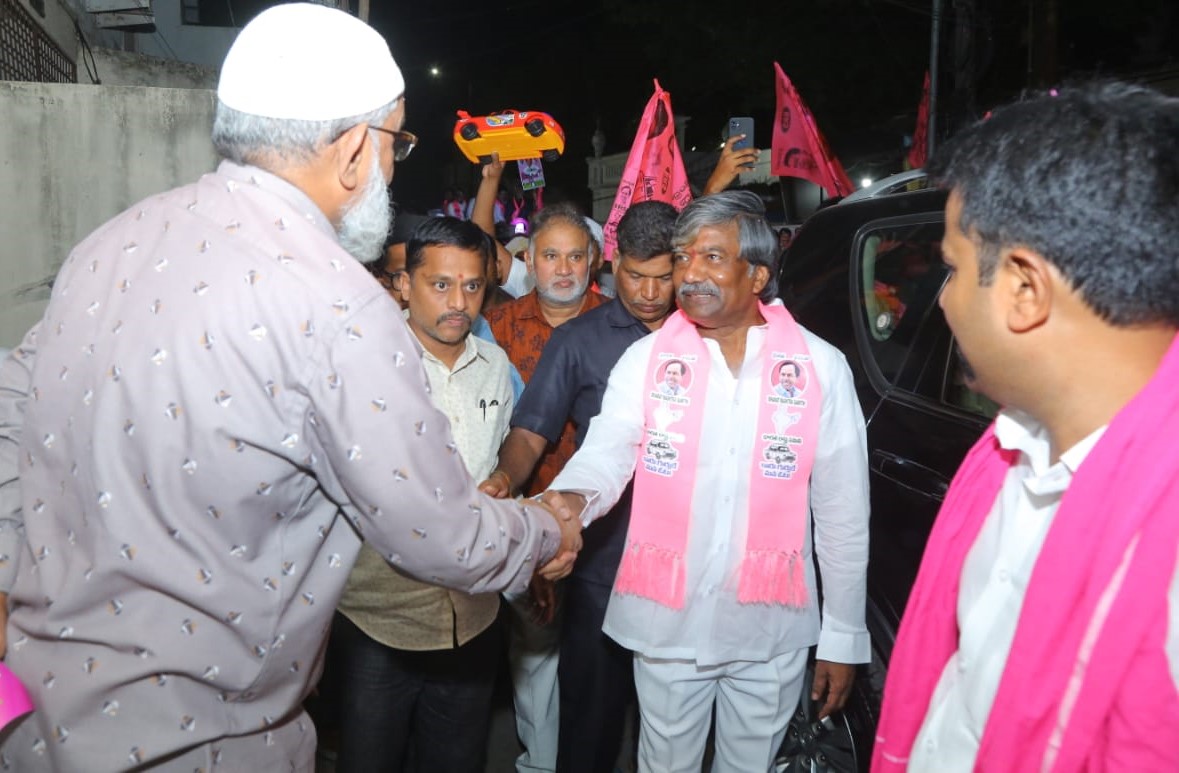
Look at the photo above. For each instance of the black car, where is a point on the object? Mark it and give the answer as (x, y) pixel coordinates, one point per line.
(865, 274)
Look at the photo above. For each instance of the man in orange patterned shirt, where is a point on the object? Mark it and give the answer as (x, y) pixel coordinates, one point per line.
(561, 257)
(562, 254)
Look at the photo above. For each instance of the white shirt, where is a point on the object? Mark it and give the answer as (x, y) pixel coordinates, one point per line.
(713, 628)
(994, 580)
(519, 281)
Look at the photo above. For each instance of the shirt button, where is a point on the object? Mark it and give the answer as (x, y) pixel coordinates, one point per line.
(732, 451)
(727, 500)
(931, 744)
(961, 665)
(1004, 575)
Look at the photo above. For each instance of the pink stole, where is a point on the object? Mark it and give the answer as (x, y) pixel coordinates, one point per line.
(772, 569)
(1089, 617)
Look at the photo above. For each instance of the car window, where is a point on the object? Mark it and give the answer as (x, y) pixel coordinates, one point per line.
(900, 275)
(955, 392)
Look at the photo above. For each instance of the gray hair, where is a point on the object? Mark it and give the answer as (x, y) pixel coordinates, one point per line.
(268, 143)
(756, 240)
(563, 213)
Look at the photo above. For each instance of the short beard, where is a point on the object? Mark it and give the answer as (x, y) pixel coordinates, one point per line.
(565, 297)
(368, 217)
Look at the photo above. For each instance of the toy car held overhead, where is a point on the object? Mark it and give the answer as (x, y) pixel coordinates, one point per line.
(512, 134)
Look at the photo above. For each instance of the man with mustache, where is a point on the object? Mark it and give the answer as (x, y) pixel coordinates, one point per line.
(595, 674)
(418, 661)
(716, 592)
(217, 406)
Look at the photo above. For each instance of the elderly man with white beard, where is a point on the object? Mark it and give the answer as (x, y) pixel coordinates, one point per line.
(217, 405)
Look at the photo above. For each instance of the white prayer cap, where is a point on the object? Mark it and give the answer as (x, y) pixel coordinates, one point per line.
(308, 62)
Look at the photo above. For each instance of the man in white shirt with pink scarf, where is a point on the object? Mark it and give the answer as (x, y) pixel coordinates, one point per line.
(716, 593)
(1043, 631)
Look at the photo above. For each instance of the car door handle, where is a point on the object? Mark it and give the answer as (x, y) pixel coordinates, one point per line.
(913, 476)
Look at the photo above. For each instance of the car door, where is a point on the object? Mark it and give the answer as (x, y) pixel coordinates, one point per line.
(917, 434)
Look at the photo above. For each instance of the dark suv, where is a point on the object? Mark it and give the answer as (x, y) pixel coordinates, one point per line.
(865, 274)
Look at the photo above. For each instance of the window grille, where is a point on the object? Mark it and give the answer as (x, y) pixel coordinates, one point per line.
(27, 53)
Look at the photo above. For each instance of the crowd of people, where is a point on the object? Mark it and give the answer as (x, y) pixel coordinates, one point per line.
(259, 420)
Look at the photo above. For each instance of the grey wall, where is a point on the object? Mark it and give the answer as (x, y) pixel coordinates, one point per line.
(73, 156)
(120, 68)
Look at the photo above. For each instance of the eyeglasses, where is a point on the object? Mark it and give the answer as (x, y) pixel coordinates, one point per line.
(390, 280)
(403, 142)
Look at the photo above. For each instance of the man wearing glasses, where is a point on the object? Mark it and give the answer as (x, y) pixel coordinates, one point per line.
(218, 405)
(389, 268)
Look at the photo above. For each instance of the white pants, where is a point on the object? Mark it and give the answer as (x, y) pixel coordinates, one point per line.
(754, 703)
(533, 652)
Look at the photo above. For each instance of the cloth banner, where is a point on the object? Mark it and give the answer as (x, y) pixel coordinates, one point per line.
(798, 147)
(654, 169)
(919, 150)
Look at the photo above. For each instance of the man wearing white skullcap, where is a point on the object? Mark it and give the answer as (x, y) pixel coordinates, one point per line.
(219, 403)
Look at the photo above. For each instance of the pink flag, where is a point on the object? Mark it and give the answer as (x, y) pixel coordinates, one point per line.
(920, 147)
(654, 169)
(798, 147)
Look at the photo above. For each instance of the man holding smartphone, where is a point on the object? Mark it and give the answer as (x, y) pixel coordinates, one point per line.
(737, 155)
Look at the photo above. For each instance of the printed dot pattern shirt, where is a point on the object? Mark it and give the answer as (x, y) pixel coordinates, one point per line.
(217, 401)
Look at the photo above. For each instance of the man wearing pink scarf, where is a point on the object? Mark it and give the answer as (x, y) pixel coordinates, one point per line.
(1043, 630)
(716, 592)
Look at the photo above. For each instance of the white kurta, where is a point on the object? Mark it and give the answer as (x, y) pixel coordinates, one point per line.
(713, 627)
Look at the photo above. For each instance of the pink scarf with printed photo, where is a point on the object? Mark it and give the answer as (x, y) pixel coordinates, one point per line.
(1084, 663)
(772, 569)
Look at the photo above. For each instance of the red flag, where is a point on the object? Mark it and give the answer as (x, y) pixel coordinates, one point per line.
(920, 147)
(798, 147)
(654, 169)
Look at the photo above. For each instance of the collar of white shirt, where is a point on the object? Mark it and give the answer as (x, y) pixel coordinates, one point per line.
(1018, 431)
(470, 350)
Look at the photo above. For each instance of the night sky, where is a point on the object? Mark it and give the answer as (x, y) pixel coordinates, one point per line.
(857, 63)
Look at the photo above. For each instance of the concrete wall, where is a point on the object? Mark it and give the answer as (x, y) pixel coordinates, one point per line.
(73, 156)
(120, 68)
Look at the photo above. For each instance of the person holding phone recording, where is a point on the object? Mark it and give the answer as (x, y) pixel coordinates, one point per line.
(737, 155)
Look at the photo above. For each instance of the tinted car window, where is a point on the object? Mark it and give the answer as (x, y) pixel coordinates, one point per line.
(900, 275)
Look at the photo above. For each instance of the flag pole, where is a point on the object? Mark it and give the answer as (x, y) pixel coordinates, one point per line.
(934, 39)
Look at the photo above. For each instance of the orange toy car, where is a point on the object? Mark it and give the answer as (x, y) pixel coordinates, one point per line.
(512, 134)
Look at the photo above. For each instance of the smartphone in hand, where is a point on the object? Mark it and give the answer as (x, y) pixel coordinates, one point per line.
(741, 125)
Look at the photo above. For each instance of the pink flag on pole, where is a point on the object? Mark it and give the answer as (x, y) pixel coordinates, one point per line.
(920, 147)
(14, 699)
(654, 169)
(798, 147)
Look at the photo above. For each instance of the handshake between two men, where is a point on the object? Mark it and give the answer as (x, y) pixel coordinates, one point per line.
(566, 508)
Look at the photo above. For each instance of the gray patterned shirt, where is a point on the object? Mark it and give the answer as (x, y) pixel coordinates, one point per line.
(218, 400)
